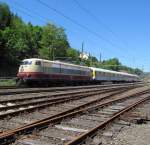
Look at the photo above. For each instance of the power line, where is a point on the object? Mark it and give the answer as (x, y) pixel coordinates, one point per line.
(35, 13)
(22, 11)
(95, 18)
(40, 17)
(76, 23)
(98, 21)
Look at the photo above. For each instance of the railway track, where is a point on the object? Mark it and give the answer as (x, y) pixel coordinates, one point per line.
(4, 101)
(79, 98)
(15, 87)
(115, 111)
(14, 106)
(12, 91)
(80, 110)
(8, 87)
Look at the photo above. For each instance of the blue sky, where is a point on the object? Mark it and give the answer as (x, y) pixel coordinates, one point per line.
(123, 26)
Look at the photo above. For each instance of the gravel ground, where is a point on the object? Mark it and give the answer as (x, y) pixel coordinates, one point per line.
(134, 135)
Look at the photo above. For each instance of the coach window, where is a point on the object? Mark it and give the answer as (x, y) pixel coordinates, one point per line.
(38, 63)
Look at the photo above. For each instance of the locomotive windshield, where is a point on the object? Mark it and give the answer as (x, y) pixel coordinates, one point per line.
(26, 62)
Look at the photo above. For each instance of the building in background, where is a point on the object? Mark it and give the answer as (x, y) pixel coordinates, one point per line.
(84, 56)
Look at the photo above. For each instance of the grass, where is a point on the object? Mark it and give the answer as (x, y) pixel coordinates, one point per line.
(7, 82)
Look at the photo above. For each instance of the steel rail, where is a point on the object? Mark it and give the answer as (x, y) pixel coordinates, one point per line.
(37, 90)
(57, 101)
(80, 139)
(11, 135)
(59, 94)
(71, 96)
(8, 87)
(15, 87)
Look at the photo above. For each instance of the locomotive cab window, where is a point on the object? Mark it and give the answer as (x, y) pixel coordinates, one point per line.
(26, 62)
(38, 63)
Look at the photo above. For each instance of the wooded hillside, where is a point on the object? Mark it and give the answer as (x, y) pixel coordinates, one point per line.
(19, 40)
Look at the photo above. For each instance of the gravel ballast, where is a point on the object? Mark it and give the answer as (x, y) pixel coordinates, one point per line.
(133, 135)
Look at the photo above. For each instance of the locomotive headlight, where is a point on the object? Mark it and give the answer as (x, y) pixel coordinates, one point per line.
(21, 69)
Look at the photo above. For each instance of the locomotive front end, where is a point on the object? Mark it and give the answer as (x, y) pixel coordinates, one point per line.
(30, 71)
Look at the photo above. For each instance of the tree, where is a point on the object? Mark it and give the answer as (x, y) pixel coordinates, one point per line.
(5, 16)
(32, 36)
(53, 41)
(112, 64)
(2, 49)
(73, 54)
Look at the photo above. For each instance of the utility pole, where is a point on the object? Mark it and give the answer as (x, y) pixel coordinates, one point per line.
(100, 57)
(53, 53)
(143, 68)
(82, 53)
(90, 59)
(49, 50)
(82, 50)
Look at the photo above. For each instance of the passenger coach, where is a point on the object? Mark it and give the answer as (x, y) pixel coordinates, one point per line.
(99, 74)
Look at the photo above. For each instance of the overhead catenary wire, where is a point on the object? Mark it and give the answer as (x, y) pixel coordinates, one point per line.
(77, 23)
(27, 9)
(39, 16)
(96, 19)
(28, 14)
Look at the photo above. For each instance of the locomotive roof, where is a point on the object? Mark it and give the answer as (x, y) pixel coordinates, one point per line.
(59, 62)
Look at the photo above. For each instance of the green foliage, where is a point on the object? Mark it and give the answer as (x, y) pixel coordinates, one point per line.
(5, 16)
(16, 22)
(8, 82)
(112, 64)
(53, 42)
(73, 53)
(138, 71)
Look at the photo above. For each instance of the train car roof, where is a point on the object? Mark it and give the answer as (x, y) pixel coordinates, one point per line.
(93, 68)
(113, 72)
(58, 62)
